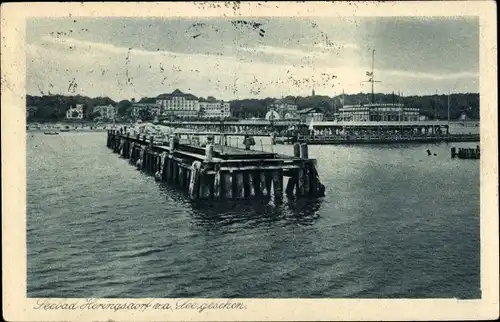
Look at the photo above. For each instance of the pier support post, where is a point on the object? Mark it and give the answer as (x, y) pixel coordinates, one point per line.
(182, 177)
(300, 183)
(217, 185)
(292, 182)
(240, 187)
(171, 144)
(278, 184)
(453, 152)
(194, 180)
(296, 150)
(228, 185)
(251, 184)
(262, 184)
(205, 186)
(304, 151)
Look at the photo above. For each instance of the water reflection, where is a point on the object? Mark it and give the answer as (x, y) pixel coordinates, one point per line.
(256, 212)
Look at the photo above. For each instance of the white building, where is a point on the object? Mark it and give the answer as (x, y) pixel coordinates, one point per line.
(75, 113)
(285, 110)
(377, 112)
(178, 104)
(106, 111)
(153, 109)
(214, 109)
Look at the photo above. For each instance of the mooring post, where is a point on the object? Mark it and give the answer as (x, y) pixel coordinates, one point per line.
(172, 144)
(194, 180)
(209, 151)
(296, 149)
(453, 152)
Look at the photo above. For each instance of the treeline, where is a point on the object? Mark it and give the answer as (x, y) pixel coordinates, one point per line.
(432, 106)
(54, 107)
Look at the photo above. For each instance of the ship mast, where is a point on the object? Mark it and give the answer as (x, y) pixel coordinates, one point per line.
(372, 77)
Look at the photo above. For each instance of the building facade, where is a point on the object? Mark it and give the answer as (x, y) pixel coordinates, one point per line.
(106, 111)
(178, 104)
(314, 114)
(377, 112)
(214, 109)
(75, 113)
(285, 110)
(138, 109)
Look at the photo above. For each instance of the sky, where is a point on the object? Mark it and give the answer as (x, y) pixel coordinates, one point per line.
(244, 57)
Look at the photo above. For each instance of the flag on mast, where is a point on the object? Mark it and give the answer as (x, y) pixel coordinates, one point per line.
(369, 73)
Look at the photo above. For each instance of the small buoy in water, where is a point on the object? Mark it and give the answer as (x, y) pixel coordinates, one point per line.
(435, 154)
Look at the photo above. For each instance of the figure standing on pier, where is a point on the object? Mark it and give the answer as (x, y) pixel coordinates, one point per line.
(248, 141)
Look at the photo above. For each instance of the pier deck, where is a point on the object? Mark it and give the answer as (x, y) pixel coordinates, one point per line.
(221, 172)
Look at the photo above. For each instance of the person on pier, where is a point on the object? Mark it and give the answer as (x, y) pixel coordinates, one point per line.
(248, 142)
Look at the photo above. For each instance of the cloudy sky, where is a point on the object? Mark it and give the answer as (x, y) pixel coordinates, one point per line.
(233, 58)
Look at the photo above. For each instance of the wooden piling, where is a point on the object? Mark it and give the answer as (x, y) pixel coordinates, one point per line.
(278, 184)
(304, 151)
(168, 168)
(290, 186)
(194, 180)
(296, 150)
(175, 172)
(250, 189)
(307, 182)
(262, 184)
(240, 187)
(227, 185)
(209, 151)
(205, 186)
(182, 178)
(300, 183)
(217, 185)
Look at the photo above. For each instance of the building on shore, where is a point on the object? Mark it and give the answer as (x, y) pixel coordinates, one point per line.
(145, 110)
(309, 114)
(213, 109)
(75, 113)
(390, 112)
(283, 110)
(107, 112)
(178, 104)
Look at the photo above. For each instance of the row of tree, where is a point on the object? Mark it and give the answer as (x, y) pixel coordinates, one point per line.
(54, 107)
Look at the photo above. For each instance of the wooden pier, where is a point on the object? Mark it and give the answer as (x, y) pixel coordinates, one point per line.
(219, 171)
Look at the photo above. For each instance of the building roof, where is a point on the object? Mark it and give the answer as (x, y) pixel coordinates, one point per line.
(177, 93)
(310, 110)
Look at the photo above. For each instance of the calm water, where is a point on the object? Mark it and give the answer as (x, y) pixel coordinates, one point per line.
(394, 223)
